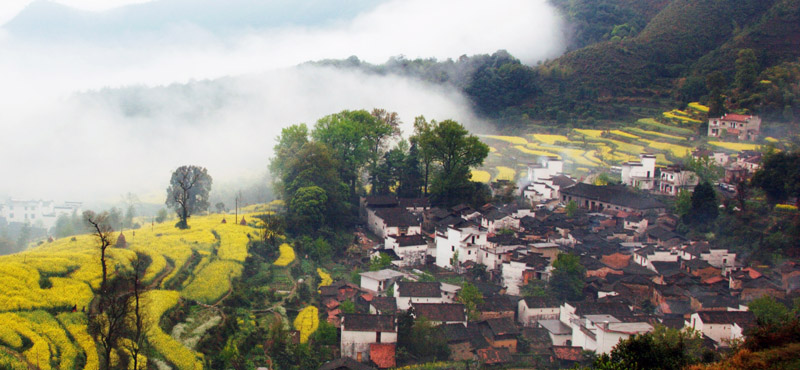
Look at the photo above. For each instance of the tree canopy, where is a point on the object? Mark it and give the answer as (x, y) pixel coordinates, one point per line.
(188, 192)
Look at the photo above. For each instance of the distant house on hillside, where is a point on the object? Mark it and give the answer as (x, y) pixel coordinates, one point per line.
(740, 126)
(640, 174)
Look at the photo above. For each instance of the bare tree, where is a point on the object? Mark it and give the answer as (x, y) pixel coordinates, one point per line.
(103, 231)
(136, 323)
(108, 326)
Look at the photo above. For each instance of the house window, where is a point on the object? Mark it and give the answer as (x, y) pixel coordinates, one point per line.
(358, 357)
(469, 252)
(452, 248)
(378, 337)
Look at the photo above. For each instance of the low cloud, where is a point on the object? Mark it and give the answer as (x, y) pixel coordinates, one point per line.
(86, 119)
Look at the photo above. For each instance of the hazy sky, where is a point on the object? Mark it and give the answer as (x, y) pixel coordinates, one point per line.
(57, 141)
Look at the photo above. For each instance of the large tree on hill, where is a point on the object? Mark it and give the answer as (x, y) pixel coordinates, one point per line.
(288, 144)
(566, 282)
(188, 192)
(422, 139)
(705, 206)
(455, 150)
(355, 139)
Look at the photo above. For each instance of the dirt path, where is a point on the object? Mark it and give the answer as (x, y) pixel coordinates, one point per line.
(164, 273)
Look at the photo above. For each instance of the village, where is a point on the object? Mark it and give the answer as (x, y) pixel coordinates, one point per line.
(638, 271)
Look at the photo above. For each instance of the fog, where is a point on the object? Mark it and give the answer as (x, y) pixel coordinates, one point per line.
(86, 119)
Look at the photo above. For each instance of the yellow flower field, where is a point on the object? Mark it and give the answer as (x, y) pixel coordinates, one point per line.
(157, 302)
(307, 322)
(677, 150)
(286, 257)
(550, 139)
(516, 140)
(325, 278)
(212, 281)
(624, 134)
(734, 146)
(698, 107)
(680, 116)
(589, 133)
(481, 176)
(505, 173)
(655, 133)
(771, 139)
(535, 152)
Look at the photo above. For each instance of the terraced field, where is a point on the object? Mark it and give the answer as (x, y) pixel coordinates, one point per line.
(40, 287)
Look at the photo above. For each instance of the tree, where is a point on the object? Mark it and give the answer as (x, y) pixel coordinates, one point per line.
(411, 180)
(102, 230)
(571, 208)
(109, 324)
(705, 168)
(705, 207)
(136, 323)
(423, 135)
(220, 207)
(429, 342)
(566, 282)
(308, 209)
(188, 192)
(161, 216)
(380, 262)
(455, 151)
(768, 311)
(386, 128)
(779, 176)
(288, 144)
(471, 298)
(683, 202)
(663, 348)
(746, 69)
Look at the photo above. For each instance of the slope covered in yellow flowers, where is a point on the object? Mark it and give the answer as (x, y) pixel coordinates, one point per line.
(42, 285)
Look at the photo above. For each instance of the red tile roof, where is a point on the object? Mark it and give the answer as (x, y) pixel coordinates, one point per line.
(382, 354)
(736, 117)
(492, 356)
(568, 353)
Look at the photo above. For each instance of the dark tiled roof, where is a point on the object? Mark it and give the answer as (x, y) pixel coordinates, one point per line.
(562, 181)
(414, 202)
(381, 201)
(397, 217)
(541, 302)
(495, 214)
(745, 319)
(385, 304)
(595, 308)
(667, 268)
(501, 326)
(501, 303)
(441, 312)
(455, 333)
(660, 233)
(505, 239)
(617, 195)
(382, 355)
(365, 322)
(419, 289)
(411, 240)
(345, 363)
(491, 356)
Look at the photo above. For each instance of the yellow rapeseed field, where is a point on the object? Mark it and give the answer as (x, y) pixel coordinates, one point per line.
(698, 107)
(516, 140)
(505, 173)
(286, 257)
(536, 152)
(481, 176)
(589, 133)
(624, 134)
(307, 322)
(550, 139)
(734, 146)
(324, 278)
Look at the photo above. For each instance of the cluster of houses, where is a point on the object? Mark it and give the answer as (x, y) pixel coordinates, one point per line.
(39, 213)
(639, 273)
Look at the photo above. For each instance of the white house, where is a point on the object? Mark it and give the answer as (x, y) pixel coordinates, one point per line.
(359, 331)
(497, 220)
(611, 333)
(722, 326)
(640, 174)
(393, 221)
(645, 256)
(675, 179)
(740, 126)
(551, 166)
(410, 292)
(462, 239)
(41, 213)
(531, 310)
(522, 268)
(412, 249)
(379, 281)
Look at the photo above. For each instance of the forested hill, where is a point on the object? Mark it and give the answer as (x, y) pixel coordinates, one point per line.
(631, 58)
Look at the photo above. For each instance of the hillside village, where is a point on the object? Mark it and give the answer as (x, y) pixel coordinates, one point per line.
(639, 272)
